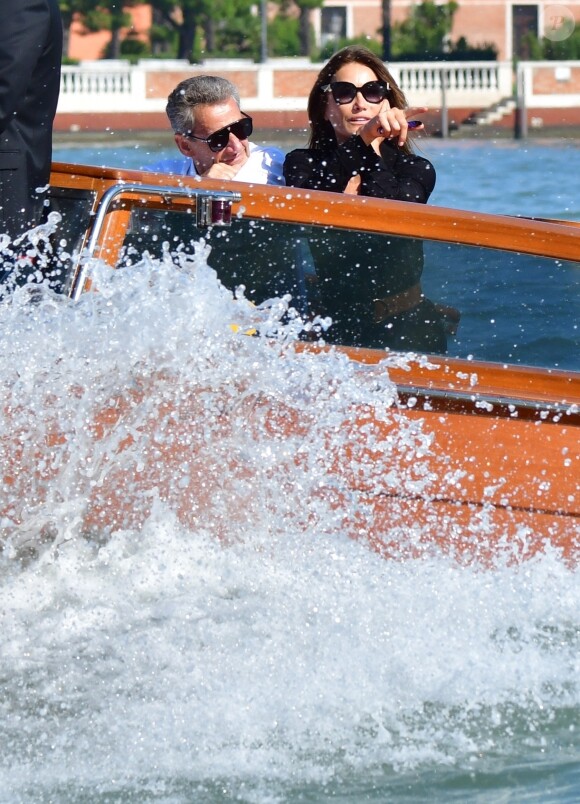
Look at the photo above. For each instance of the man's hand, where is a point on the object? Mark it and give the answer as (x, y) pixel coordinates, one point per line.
(220, 170)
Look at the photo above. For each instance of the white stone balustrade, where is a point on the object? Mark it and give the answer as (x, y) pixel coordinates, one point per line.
(282, 84)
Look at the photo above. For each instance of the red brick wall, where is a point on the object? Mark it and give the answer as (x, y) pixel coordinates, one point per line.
(293, 83)
(93, 45)
(546, 83)
(481, 24)
(160, 84)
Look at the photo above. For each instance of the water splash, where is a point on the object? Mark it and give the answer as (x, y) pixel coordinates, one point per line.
(145, 391)
(221, 636)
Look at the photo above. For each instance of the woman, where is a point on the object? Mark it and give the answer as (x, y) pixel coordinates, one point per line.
(358, 144)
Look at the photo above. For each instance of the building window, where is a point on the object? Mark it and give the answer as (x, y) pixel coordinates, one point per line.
(332, 24)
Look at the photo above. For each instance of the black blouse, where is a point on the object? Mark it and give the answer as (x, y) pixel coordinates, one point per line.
(393, 175)
(357, 270)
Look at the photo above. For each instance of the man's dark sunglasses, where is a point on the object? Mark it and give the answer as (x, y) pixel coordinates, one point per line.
(345, 92)
(220, 138)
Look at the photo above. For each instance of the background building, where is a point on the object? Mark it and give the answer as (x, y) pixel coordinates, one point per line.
(499, 22)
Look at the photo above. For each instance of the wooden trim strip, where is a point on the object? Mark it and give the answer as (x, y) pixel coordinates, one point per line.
(292, 205)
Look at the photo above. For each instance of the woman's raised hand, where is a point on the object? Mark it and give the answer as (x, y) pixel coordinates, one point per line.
(390, 122)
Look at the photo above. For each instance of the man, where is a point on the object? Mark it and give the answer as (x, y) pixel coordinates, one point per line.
(213, 134)
(30, 59)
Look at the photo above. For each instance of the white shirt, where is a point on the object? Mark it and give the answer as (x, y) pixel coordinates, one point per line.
(264, 166)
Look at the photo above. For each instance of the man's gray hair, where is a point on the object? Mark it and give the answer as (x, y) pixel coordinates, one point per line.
(197, 91)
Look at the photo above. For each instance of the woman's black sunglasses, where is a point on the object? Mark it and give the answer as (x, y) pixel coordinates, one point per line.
(220, 138)
(345, 92)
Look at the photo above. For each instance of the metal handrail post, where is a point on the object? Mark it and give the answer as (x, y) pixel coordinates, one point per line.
(111, 195)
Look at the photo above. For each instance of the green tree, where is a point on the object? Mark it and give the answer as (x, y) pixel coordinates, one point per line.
(162, 37)
(98, 15)
(183, 17)
(232, 29)
(426, 31)
(283, 33)
(463, 51)
(306, 38)
(135, 48)
(110, 15)
(227, 28)
(563, 50)
(68, 10)
(386, 29)
(426, 34)
(336, 44)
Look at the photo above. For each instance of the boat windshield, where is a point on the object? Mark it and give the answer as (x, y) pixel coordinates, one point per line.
(385, 291)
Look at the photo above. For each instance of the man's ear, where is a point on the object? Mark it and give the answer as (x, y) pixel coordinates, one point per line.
(183, 144)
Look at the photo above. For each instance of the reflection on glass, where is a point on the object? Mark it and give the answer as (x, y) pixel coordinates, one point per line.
(393, 292)
(515, 308)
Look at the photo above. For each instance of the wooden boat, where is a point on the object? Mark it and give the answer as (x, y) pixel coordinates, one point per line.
(502, 470)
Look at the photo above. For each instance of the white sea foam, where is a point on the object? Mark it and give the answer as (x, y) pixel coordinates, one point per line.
(225, 638)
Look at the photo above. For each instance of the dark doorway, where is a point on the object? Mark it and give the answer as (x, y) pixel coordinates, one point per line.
(524, 22)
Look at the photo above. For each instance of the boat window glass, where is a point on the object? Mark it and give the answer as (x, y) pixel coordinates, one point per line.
(75, 207)
(388, 291)
(515, 308)
(265, 258)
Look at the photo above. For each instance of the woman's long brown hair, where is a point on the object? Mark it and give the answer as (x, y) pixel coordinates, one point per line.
(322, 134)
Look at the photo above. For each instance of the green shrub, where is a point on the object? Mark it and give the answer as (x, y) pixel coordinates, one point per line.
(283, 36)
(331, 47)
(134, 48)
(426, 36)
